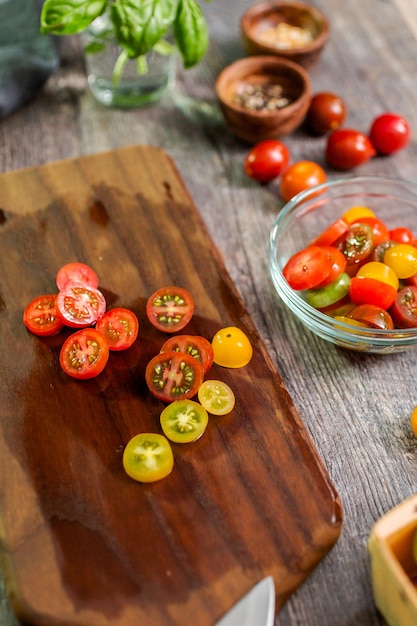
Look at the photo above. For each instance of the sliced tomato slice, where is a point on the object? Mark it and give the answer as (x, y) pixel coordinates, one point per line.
(148, 457)
(84, 354)
(308, 268)
(197, 346)
(76, 273)
(173, 376)
(41, 316)
(80, 305)
(184, 421)
(216, 397)
(332, 233)
(170, 309)
(119, 327)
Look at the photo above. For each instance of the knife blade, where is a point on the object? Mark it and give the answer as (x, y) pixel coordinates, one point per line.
(256, 608)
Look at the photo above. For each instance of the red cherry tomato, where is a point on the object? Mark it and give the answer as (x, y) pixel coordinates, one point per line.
(41, 316)
(80, 305)
(389, 133)
(84, 354)
(357, 243)
(332, 233)
(338, 260)
(300, 176)
(119, 327)
(308, 268)
(326, 112)
(76, 273)
(404, 308)
(365, 290)
(170, 309)
(347, 148)
(401, 234)
(195, 345)
(266, 160)
(173, 376)
(373, 316)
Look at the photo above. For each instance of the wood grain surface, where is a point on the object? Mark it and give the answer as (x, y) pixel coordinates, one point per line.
(249, 498)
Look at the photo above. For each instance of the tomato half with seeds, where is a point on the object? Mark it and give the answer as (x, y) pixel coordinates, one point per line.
(404, 308)
(173, 376)
(184, 421)
(41, 316)
(357, 244)
(373, 316)
(80, 305)
(216, 397)
(119, 327)
(197, 346)
(148, 457)
(76, 273)
(170, 308)
(379, 229)
(307, 268)
(84, 354)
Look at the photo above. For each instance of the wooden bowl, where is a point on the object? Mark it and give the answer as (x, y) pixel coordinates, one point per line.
(293, 30)
(256, 125)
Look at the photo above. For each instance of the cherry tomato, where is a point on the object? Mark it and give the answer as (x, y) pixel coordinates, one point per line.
(327, 111)
(413, 424)
(266, 160)
(148, 457)
(347, 148)
(332, 233)
(356, 212)
(170, 308)
(308, 268)
(378, 252)
(367, 290)
(389, 133)
(402, 259)
(76, 273)
(119, 327)
(80, 305)
(379, 271)
(231, 347)
(380, 230)
(404, 308)
(41, 316)
(357, 243)
(373, 316)
(195, 345)
(350, 321)
(323, 297)
(401, 234)
(84, 354)
(173, 376)
(338, 261)
(216, 397)
(300, 176)
(184, 421)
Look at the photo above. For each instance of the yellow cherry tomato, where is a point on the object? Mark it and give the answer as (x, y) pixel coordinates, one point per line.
(356, 212)
(379, 271)
(402, 259)
(184, 421)
(148, 457)
(413, 420)
(350, 321)
(231, 347)
(216, 397)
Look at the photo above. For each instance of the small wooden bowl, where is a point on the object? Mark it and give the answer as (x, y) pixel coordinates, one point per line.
(253, 125)
(260, 23)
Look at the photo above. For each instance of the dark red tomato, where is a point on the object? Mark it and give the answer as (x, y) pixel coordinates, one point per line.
(338, 260)
(380, 230)
(332, 233)
(326, 112)
(401, 234)
(76, 273)
(119, 327)
(266, 160)
(195, 345)
(41, 316)
(357, 244)
(308, 268)
(84, 354)
(404, 308)
(373, 316)
(379, 251)
(170, 309)
(173, 376)
(80, 305)
(348, 148)
(389, 133)
(364, 290)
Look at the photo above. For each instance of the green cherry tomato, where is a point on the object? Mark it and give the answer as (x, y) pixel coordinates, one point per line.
(231, 347)
(325, 296)
(148, 457)
(184, 421)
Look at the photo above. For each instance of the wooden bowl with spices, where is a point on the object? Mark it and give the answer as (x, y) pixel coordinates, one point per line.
(263, 97)
(292, 30)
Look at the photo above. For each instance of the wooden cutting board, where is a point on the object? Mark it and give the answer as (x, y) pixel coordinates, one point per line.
(82, 543)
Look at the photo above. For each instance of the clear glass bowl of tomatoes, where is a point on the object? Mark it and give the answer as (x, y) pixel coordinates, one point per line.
(343, 258)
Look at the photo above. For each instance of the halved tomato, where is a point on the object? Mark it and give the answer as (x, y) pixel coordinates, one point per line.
(332, 233)
(404, 308)
(197, 346)
(148, 457)
(373, 316)
(170, 308)
(76, 273)
(84, 354)
(366, 290)
(379, 228)
(80, 305)
(308, 268)
(338, 260)
(184, 421)
(119, 327)
(216, 397)
(173, 376)
(41, 316)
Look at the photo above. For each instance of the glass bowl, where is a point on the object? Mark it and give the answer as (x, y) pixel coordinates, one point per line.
(309, 213)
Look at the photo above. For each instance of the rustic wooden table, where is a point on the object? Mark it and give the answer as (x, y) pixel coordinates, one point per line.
(355, 407)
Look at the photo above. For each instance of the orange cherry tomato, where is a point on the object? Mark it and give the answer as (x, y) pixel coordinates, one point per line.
(355, 212)
(300, 176)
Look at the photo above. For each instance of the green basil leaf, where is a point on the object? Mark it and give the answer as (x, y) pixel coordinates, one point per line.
(68, 17)
(190, 32)
(140, 25)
